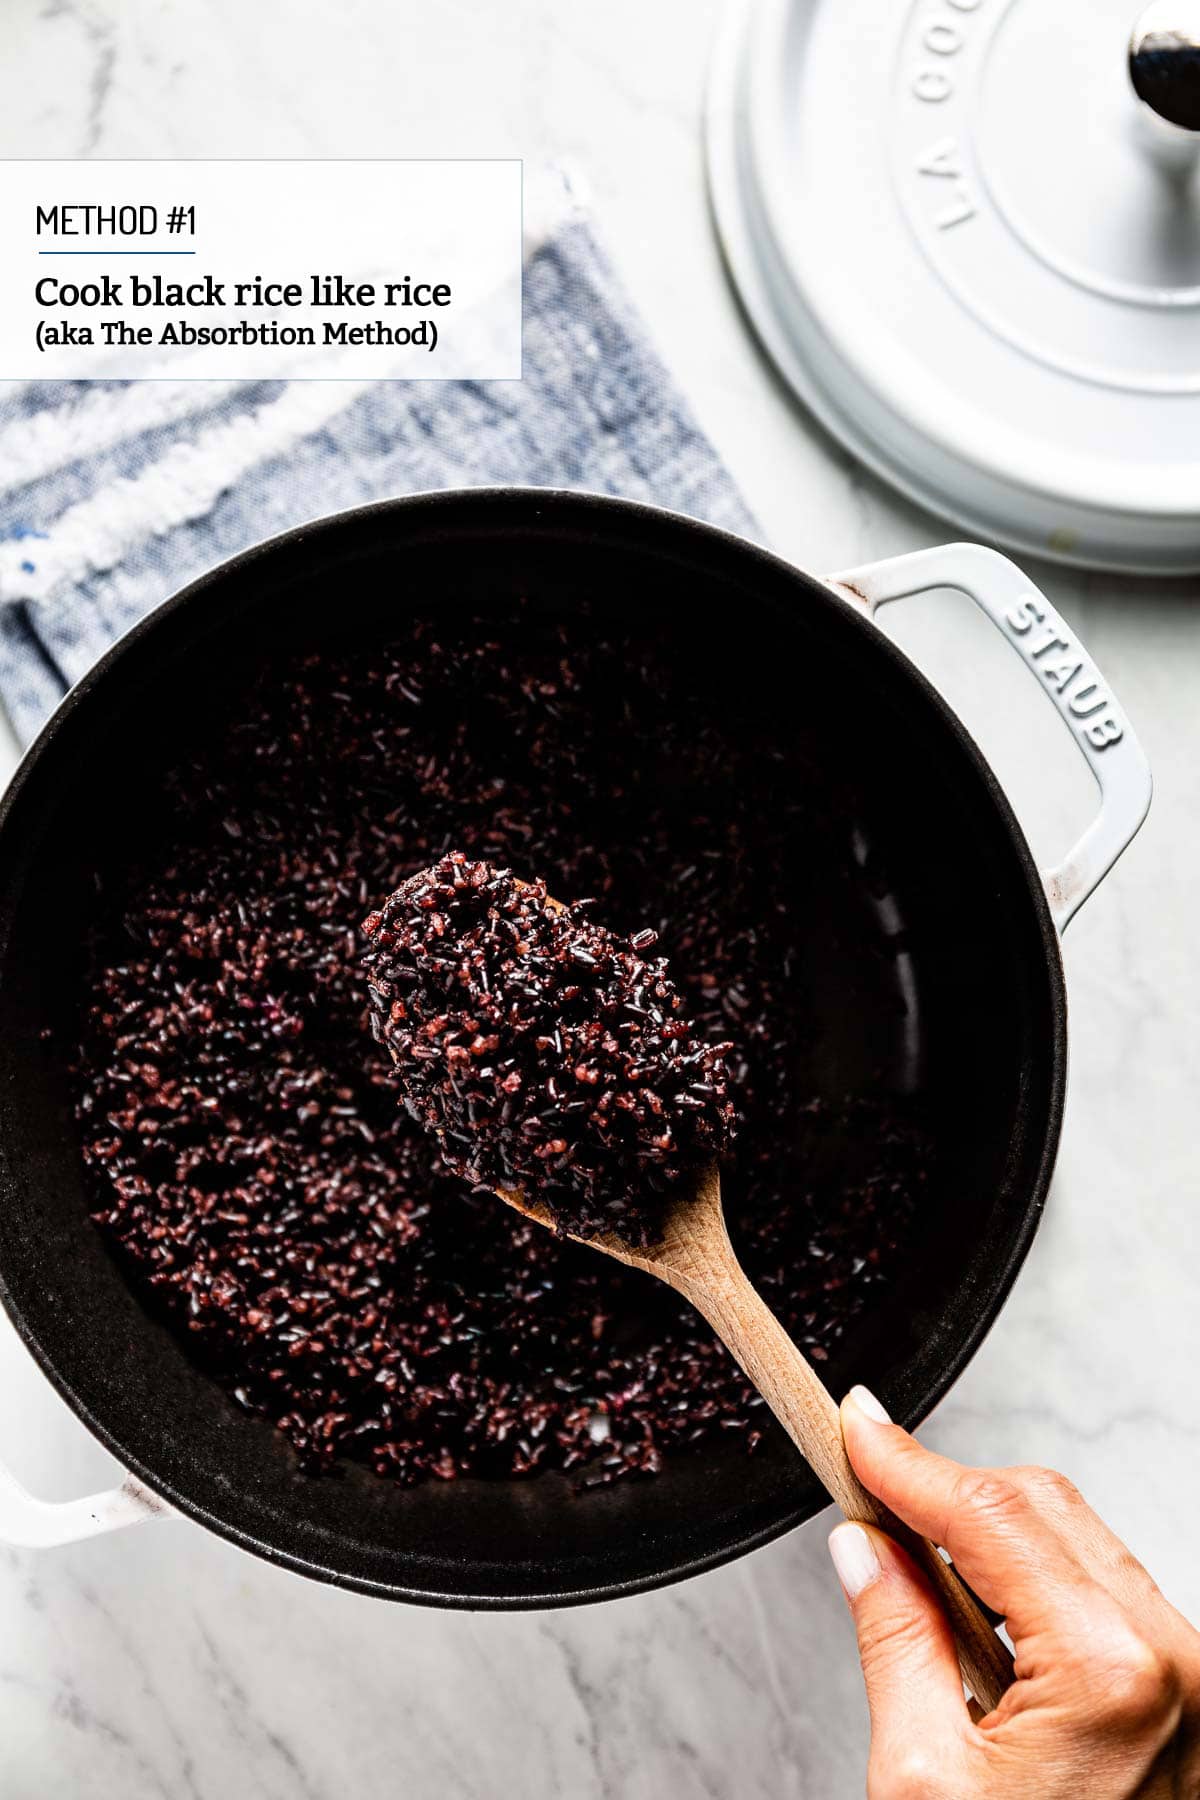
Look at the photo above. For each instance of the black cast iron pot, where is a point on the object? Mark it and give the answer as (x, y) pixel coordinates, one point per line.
(966, 1002)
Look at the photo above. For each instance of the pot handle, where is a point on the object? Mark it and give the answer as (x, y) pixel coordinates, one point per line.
(30, 1524)
(1026, 619)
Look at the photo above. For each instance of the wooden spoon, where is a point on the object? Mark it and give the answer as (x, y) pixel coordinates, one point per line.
(695, 1256)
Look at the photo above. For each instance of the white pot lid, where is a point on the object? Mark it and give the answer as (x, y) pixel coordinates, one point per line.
(975, 254)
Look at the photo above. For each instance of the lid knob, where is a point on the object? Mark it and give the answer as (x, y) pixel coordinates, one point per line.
(1164, 61)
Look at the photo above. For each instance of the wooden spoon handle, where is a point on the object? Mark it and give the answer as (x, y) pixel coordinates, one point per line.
(719, 1288)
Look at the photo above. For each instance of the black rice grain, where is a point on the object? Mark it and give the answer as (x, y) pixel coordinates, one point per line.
(546, 1053)
(239, 1125)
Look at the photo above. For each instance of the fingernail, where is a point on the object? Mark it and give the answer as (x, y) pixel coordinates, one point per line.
(869, 1406)
(854, 1558)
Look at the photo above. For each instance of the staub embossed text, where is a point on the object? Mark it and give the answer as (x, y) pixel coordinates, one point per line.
(1048, 647)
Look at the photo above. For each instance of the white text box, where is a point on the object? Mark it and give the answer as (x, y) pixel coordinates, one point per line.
(257, 270)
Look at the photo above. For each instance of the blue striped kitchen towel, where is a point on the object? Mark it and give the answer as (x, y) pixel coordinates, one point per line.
(115, 494)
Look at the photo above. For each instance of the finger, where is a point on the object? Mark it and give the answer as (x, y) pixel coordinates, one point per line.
(1016, 1560)
(1114, 1568)
(909, 1663)
(1098, 1548)
(1083, 1655)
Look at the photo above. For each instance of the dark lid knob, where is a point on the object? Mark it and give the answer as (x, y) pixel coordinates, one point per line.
(1164, 61)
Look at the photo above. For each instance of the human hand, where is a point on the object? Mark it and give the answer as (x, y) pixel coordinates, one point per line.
(1106, 1705)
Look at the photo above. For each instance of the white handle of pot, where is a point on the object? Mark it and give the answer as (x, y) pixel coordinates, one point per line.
(32, 1524)
(1065, 671)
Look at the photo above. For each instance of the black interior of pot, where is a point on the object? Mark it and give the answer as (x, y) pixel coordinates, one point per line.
(933, 969)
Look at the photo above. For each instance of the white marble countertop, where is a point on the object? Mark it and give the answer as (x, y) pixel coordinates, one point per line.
(161, 1661)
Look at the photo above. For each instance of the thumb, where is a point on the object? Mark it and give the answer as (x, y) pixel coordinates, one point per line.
(919, 1717)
